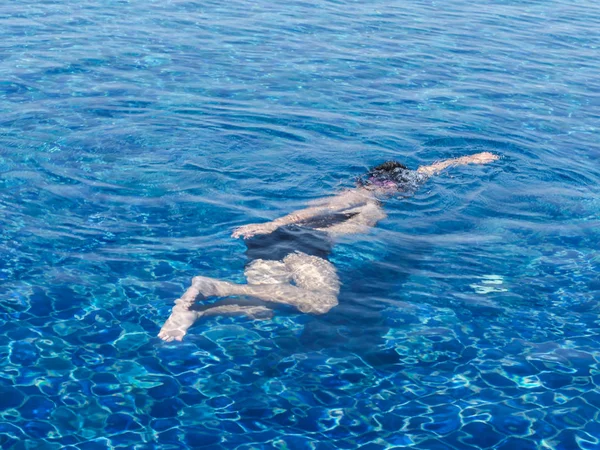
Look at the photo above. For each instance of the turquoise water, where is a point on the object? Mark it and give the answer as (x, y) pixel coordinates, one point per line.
(134, 136)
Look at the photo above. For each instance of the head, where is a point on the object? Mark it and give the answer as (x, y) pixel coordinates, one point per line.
(387, 177)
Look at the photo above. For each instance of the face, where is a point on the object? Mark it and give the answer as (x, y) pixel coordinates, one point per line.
(386, 187)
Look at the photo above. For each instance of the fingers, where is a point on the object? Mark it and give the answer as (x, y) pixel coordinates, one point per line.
(488, 156)
(237, 233)
(247, 231)
(482, 158)
(244, 232)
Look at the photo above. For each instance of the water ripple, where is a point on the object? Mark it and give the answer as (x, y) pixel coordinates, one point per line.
(134, 136)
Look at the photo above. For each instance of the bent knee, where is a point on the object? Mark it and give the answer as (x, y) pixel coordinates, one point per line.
(322, 306)
(321, 310)
(300, 258)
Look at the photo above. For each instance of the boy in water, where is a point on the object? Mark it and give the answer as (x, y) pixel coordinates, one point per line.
(287, 258)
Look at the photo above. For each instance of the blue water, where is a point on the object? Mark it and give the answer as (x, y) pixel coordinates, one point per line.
(135, 135)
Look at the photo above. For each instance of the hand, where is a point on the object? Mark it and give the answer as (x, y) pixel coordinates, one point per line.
(481, 158)
(247, 231)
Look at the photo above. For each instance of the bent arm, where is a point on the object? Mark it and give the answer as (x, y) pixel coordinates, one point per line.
(478, 158)
(252, 229)
(301, 215)
(345, 200)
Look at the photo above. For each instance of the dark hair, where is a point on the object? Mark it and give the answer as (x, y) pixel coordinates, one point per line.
(387, 167)
(388, 171)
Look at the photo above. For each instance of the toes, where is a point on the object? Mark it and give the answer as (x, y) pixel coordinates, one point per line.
(165, 337)
(171, 335)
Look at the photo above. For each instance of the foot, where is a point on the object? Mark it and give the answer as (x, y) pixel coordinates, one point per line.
(176, 326)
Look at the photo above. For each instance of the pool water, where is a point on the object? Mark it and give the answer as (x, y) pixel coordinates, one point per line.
(136, 135)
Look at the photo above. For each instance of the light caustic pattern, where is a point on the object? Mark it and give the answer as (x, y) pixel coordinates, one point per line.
(135, 136)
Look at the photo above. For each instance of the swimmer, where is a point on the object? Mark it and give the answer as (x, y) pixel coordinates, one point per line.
(288, 257)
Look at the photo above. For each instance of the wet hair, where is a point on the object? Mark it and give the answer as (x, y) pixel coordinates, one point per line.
(392, 171)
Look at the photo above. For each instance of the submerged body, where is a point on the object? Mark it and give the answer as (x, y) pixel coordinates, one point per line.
(288, 257)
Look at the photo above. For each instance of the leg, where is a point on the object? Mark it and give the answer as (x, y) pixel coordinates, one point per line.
(234, 307)
(182, 318)
(262, 271)
(184, 314)
(176, 326)
(313, 273)
(316, 290)
(318, 275)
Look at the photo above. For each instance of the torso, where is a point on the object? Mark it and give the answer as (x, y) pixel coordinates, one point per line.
(362, 212)
(350, 212)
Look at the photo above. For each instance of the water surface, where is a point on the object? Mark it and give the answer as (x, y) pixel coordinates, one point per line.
(135, 135)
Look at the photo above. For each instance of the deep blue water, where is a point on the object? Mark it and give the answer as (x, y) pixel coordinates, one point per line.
(135, 135)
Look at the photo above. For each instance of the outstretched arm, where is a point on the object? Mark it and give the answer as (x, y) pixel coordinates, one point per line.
(351, 198)
(477, 158)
